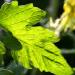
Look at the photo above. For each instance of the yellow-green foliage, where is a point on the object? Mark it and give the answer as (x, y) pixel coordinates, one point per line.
(38, 49)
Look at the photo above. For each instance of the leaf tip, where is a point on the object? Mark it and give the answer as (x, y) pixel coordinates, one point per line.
(14, 3)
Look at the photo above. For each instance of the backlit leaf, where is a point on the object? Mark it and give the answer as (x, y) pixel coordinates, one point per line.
(37, 49)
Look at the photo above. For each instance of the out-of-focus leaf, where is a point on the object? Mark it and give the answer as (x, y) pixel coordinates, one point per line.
(2, 52)
(2, 48)
(5, 72)
(17, 69)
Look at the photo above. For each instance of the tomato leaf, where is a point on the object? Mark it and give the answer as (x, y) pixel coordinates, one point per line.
(38, 49)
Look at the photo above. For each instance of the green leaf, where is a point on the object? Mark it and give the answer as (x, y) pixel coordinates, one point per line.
(2, 49)
(2, 52)
(37, 49)
(5, 72)
(17, 69)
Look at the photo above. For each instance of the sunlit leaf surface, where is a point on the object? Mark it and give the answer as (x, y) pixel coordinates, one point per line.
(37, 49)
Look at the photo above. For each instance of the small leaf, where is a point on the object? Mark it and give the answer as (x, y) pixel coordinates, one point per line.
(2, 49)
(2, 52)
(37, 49)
